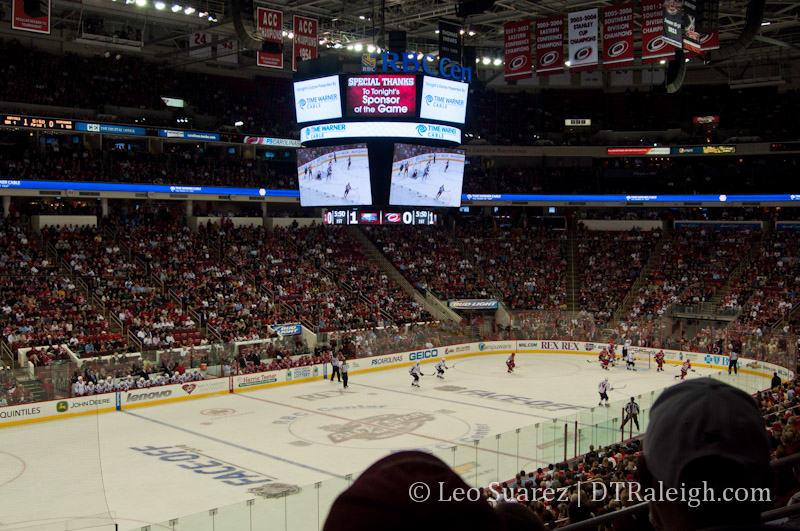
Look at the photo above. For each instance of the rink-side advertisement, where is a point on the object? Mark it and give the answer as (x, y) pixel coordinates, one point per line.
(121, 400)
(426, 176)
(334, 176)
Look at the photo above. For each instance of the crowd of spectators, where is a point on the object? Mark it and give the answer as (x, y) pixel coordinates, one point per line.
(610, 262)
(428, 257)
(527, 266)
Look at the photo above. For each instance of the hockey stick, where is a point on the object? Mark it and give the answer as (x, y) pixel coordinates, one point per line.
(623, 386)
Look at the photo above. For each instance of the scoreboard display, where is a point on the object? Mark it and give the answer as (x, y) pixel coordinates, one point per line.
(381, 96)
(379, 217)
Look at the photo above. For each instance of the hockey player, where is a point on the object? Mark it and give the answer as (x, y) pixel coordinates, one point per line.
(603, 388)
(346, 191)
(686, 367)
(604, 359)
(441, 189)
(79, 387)
(660, 361)
(349, 162)
(510, 363)
(631, 413)
(416, 372)
(447, 165)
(630, 360)
(441, 365)
(90, 390)
(733, 362)
(335, 368)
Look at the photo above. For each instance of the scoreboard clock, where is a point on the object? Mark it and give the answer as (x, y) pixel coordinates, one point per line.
(379, 217)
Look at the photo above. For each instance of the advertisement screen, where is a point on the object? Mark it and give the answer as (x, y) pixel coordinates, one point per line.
(317, 99)
(409, 130)
(334, 176)
(443, 100)
(381, 96)
(426, 176)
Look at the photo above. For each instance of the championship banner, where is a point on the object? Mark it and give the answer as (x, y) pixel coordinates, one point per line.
(31, 15)
(270, 26)
(549, 45)
(304, 44)
(583, 40)
(691, 37)
(673, 22)
(618, 36)
(654, 47)
(517, 50)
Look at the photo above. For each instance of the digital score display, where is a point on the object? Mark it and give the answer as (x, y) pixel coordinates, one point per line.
(378, 217)
(381, 96)
(38, 123)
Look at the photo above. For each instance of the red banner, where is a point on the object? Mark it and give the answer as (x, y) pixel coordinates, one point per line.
(705, 119)
(709, 41)
(270, 27)
(304, 44)
(549, 45)
(618, 36)
(654, 47)
(31, 15)
(517, 50)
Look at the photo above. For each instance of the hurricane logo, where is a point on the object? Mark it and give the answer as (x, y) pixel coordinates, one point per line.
(428, 99)
(584, 53)
(656, 44)
(393, 217)
(302, 103)
(518, 63)
(549, 58)
(619, 48)
(421, 129)
(706, 37)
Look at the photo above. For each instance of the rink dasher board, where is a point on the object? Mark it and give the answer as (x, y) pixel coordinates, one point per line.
(122, 400)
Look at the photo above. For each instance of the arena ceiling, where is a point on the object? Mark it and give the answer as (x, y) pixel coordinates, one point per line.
(344, 22)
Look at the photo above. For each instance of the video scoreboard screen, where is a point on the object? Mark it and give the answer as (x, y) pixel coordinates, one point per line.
(379, 217)
(381, 96)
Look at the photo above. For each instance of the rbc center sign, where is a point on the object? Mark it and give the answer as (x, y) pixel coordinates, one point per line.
(409, 64)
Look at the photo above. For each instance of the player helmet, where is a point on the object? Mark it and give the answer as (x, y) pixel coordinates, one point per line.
(444, 359)
(606, 379)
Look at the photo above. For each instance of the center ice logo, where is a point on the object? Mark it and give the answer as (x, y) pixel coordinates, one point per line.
(378, 427)
(421, 129)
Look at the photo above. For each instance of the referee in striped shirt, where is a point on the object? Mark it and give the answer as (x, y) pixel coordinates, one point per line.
(631, 413)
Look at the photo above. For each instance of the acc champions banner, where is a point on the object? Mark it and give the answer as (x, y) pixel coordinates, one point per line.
(270, 26)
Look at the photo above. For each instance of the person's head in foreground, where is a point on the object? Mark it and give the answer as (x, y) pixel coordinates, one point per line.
(381, 499)
(704, 434)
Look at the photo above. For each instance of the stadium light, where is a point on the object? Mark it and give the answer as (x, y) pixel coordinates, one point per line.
(290, 35)
(471, 33)
(175, 8)
(212, 17)
(461, 31)
(436, 32)
(420, 55)
(202, 14)
(321, 41)
(568, 63)
(141, 3)
(350, 47)
(160, 6)
(238, 124)
(358, 47)
(498, 62)
(371, 48)
(486, 60)
(284, 33)
(362, 17)
(189, 10)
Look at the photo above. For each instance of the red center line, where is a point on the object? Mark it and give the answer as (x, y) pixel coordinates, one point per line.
(430, 437)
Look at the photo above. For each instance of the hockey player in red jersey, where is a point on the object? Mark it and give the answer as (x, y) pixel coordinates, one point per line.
(686, 367)
(660, 360)
(510, 362)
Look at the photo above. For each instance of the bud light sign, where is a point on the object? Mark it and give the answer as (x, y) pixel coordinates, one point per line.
(287, 330)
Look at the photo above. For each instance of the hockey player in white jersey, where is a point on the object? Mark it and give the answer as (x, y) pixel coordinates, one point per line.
(441, 365)
(630, 361)
(90, 390)
(79, 387)
(416, 372)
(603, 388)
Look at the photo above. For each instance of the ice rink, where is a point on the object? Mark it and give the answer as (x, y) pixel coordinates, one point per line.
(447, 171)
(168, 461)
(331, 192)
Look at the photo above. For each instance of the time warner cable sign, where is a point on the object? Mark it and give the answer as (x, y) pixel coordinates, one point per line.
(408, 130)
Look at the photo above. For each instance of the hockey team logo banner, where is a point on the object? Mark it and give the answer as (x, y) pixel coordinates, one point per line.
(654, 47)
(31, 15)
(583, 40)
(304, 44)
(549, 45)
(517, 50)
(270, 26)
(618, 36)
(673, 22)
(709, 42)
